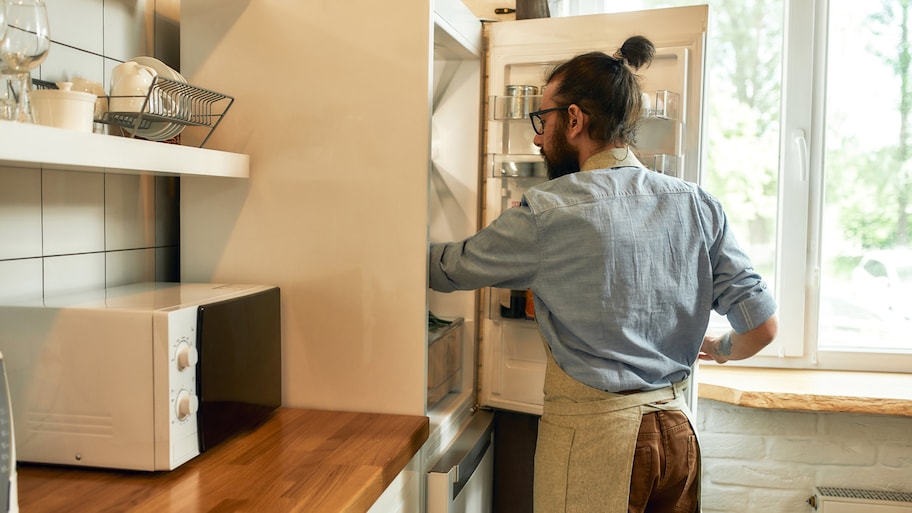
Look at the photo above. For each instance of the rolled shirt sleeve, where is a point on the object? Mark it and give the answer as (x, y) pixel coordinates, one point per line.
(504, 254)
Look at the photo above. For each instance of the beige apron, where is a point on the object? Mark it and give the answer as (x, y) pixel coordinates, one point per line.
(586, 442)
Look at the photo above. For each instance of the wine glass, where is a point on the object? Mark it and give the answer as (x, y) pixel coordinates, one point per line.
(7, 105)
(2, 19)
(25, 46)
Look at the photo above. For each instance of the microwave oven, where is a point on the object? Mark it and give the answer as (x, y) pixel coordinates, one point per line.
(140, 377)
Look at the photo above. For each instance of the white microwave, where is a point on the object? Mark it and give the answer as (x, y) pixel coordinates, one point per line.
(141, 377)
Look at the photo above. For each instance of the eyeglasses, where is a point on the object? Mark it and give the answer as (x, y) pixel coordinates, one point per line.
(538, 124)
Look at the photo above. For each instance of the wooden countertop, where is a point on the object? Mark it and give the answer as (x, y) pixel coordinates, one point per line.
(298, 460)
(813, 390)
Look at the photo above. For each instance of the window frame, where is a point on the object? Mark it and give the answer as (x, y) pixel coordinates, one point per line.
(801, 194)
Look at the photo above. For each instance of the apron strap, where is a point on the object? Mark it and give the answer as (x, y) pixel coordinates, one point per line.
(617, 401)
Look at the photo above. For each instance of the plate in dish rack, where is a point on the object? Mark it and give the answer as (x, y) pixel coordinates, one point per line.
(162, 130)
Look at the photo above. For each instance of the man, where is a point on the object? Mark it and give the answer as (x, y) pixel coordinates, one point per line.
(625, 265)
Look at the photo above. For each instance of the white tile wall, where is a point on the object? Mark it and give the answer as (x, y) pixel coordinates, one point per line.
(20, 213)
(129, 204)
(66, 230)
(72, 206)
(78, 23)
(125, 28)
(126, 267)
(92, 36)
(64, 63)
(73, 273)
(21, 279)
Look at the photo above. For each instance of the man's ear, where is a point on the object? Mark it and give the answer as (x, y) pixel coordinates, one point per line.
(577, 122)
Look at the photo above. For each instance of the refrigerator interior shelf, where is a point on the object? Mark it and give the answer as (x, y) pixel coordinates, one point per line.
(516, 166)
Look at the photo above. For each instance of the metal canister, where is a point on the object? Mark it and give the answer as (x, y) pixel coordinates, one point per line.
(517, 104)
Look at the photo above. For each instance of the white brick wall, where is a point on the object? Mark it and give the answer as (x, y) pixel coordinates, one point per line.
(769, 461)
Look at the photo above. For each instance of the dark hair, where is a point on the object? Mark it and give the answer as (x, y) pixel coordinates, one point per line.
(606, 88)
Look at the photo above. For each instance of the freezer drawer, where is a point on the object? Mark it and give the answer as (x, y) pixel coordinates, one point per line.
(462, 479)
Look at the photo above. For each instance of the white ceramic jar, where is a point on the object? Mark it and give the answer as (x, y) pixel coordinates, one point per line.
(63, 108)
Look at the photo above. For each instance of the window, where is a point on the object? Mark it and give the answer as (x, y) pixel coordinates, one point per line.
(808, 143)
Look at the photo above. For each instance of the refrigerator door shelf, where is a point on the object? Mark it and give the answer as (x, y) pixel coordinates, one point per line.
(513, 107)
(661, 104)
(514, 368)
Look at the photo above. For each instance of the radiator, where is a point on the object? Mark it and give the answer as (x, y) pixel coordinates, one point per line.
(854, 500)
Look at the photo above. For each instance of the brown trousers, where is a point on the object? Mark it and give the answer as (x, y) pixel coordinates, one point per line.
(666, 465)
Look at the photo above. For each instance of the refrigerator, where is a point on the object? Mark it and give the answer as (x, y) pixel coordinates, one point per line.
(516, 58)
(372, 131)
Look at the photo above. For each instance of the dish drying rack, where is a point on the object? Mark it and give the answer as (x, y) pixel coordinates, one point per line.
(171, 101)
(168, 101)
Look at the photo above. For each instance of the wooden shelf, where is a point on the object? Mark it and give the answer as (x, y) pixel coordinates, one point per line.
(879, 393)
(26, 145)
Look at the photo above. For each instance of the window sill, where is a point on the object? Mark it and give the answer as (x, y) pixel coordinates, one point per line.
(879, 393)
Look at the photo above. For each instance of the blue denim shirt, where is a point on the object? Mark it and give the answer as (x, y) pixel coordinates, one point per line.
(624, 264)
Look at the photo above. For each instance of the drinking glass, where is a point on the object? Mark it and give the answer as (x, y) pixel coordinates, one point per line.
(25, 46)
(7, 98)
(2, 19)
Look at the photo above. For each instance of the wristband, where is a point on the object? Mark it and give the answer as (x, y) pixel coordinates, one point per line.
(725, 344)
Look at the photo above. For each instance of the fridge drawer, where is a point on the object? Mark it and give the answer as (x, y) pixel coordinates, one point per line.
(462, 480)
(445, 361)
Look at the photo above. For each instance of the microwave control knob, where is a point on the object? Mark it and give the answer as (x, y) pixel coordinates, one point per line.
(187, 356)
(186, 405)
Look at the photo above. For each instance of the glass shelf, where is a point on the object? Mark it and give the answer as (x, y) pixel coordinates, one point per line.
(660, 104)
(515, 166)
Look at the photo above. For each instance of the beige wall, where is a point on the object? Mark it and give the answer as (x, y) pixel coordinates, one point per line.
(332, 105)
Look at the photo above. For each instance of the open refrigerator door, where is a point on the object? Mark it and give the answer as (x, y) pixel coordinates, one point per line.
(519, 55)
(457, 457)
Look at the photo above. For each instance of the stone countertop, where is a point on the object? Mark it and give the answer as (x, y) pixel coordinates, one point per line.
(812, 390)
(298, 460)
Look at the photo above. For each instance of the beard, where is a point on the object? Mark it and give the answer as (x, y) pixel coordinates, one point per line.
(562, 158)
